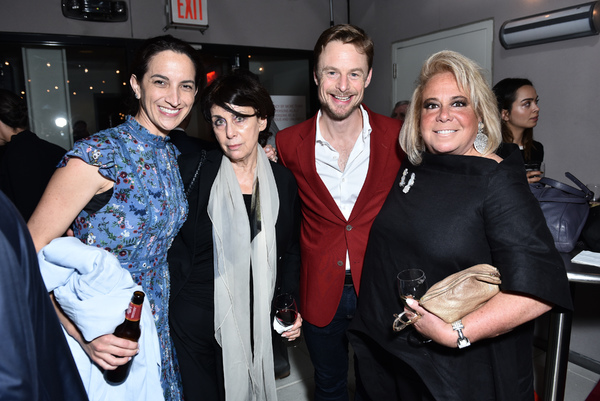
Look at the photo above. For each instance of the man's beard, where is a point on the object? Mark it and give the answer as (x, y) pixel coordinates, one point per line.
(336, 114)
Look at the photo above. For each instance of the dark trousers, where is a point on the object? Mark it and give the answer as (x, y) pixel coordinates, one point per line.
(281, 361)
(198, 353)
(328, 348)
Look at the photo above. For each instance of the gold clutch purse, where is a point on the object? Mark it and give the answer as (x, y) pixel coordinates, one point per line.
(461, 293)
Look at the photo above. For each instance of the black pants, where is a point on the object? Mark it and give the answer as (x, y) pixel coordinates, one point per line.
(281, 360)
(198, 353)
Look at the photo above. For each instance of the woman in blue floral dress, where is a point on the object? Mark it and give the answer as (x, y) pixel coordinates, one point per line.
(122, 189)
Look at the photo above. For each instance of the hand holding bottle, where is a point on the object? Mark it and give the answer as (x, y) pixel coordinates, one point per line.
(109, 351)
(102, 349)
(130, 330)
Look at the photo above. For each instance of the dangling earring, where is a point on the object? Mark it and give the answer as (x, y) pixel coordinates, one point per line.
(481, 139)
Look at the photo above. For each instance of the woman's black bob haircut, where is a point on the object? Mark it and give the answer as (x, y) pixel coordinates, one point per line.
(240, 88)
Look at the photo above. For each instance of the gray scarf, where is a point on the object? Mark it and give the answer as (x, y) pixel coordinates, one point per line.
(248, 375)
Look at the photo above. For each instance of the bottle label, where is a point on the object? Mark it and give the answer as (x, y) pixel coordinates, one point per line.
(133, 312)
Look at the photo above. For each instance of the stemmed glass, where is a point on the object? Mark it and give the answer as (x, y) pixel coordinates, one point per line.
(537, 167)
(286, 313)
(411, 284)
(286, 310)
(595, 188)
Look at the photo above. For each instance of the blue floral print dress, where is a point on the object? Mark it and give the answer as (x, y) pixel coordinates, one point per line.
(141, 219)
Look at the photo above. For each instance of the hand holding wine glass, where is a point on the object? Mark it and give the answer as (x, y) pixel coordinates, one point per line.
(535, 171)
(412, 284)
(286, 310)
(288, 321)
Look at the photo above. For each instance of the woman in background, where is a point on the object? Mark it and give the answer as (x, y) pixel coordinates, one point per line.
(519, 112)
(239, 244)
(455, 204)
(122, 188)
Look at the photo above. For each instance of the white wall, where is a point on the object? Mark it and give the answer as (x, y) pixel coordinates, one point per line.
(565, 74)
(294, 24)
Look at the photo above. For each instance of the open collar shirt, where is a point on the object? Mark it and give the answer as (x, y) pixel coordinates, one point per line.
(344, 186)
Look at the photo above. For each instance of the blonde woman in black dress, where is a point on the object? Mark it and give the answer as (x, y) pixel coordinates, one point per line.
(455, 204)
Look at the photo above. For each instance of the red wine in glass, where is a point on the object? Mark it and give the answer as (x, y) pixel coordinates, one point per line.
(286, 317)
(286, 311)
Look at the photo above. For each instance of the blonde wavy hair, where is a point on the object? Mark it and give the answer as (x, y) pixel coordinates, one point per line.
(470, 80)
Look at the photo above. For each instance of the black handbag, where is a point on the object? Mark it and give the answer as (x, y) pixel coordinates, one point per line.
(565, 208)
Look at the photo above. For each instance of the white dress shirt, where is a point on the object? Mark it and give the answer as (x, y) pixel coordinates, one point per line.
(344, 186)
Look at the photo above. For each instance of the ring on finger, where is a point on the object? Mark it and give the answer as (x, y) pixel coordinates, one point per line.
(403, 320)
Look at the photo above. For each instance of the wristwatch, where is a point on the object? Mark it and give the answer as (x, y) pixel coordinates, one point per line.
(462, 341)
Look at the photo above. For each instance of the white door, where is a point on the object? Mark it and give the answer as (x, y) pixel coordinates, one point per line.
(473, 41)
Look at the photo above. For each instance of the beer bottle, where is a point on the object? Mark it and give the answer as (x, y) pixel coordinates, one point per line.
(130, 330)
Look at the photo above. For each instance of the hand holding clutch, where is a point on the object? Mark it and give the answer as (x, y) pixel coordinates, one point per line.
(461, 293)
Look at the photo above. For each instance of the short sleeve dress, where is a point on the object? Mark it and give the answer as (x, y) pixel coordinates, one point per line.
(443, 216)
(140, 220)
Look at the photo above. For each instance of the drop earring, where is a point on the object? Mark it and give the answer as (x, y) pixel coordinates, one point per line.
(481, 140)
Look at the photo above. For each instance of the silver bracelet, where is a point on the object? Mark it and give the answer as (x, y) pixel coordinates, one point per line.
(462, 341)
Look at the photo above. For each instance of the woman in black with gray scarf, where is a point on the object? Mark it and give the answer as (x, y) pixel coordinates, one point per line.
(239, 244)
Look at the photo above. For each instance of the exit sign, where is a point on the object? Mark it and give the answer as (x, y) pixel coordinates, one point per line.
(189, 13)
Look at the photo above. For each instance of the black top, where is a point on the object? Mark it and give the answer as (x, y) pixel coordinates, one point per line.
(536, 153)
(458, 211)
(189, 144)
(191, 254)
(25, 169)
(192, 272)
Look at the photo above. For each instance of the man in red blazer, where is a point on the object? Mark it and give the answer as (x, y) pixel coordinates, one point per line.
(345, 160)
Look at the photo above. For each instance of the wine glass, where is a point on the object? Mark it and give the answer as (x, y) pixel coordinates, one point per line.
(286, 310)
(595, 188)
(412, 284)
(539, 167)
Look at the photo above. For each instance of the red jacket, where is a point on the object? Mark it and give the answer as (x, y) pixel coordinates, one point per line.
(326, 234)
